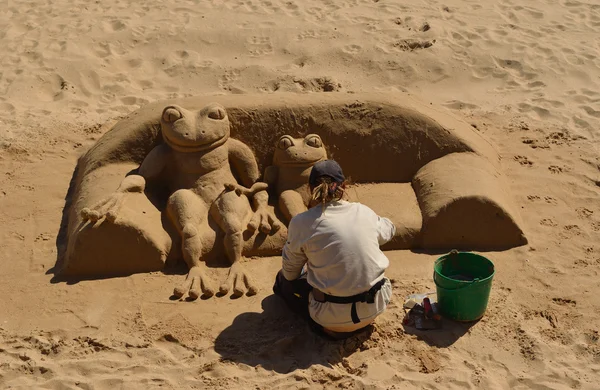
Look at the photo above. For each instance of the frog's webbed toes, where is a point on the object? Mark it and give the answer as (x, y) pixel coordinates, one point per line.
(111, 215)
(195, 285)
(238, 287)
(108, 207)
(89, 215)
(224, 287)
(265, 226)
(180, 291)
(195, 288)
(276, 225)
(229, 282)
(254, 222)
(241, 282)
(113, 211)
(95, 212)
(250, 285)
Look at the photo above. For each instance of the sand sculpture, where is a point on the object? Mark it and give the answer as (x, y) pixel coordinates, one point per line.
(196, 157)
(288, 176)
(189, 184)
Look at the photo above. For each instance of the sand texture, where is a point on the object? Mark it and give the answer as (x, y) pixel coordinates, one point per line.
(517, 82)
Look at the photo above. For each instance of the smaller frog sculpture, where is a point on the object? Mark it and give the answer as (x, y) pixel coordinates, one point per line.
(288, 176)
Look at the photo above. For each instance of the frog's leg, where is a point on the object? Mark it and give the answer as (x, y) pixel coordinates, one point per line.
(187, 211)
(232, 211)
(291, 204)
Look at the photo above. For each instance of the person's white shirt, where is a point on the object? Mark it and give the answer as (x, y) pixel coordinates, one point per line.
(339, 243)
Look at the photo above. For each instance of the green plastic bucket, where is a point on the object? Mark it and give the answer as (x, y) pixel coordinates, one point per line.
(463, 281)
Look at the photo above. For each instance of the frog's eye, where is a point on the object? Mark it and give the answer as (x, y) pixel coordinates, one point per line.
(171, 114)
(216, 113)
(314, 141)
(284, 143)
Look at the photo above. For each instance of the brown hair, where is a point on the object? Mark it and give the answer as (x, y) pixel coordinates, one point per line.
(327, 191)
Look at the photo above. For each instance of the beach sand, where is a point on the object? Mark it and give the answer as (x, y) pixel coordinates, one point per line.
(526, 75)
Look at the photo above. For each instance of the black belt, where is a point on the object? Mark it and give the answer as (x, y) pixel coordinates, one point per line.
(367, 296)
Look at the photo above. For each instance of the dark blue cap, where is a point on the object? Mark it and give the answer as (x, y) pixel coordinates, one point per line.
(326, 168)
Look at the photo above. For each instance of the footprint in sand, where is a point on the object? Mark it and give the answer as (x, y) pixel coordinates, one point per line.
(570, 231)
(548, 222)
(584, 212)
(523, 160)
(132, 100)
(555, 169)
(458, 105)
(590, 111)
(259, 46)
(535, 144)
(114, 25)
(351, 49)
(6, 107)
(310, 34)
(230, 76)
(412, 44)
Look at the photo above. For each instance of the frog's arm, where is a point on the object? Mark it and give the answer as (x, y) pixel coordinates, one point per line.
(151, 167)
(270, 177)
(155, 162)
(271, 173)
(243, 161)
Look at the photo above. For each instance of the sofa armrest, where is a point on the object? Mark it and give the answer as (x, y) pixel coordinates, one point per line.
(464, 205)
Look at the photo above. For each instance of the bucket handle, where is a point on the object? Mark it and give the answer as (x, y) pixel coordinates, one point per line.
(455, 289)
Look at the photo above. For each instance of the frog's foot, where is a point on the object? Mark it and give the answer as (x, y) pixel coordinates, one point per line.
(196, 283)
(264, 220)
(108, 207)
(238, 277)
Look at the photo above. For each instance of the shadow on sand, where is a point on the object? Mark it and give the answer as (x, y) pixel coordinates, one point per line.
(279, 340)
(450, 332)
(61, 238)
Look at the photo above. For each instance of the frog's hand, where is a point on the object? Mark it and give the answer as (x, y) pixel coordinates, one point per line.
(110, 206)
(249, 192)
(256, 187)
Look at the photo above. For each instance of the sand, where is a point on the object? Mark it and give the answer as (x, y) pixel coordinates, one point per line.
(524, 74)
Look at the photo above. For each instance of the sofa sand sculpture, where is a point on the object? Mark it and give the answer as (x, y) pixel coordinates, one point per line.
(187, 179)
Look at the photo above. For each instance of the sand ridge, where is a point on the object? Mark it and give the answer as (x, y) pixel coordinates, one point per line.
(524, 74)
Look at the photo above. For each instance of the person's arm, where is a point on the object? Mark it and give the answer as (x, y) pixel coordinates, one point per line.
(385, 230)
(293, 257)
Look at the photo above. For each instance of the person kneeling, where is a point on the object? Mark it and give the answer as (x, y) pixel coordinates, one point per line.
(332, 265)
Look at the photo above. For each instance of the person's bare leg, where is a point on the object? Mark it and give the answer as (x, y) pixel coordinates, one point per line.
(187, 211)
(230, 211)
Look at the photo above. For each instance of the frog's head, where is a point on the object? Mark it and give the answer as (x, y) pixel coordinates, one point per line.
(299, 151)
(187, 131)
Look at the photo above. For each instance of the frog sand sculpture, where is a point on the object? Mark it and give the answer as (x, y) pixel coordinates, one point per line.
(436, 178)
(198, 156)
(288, 176)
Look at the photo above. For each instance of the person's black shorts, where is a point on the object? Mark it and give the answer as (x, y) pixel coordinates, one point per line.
(295, 294)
